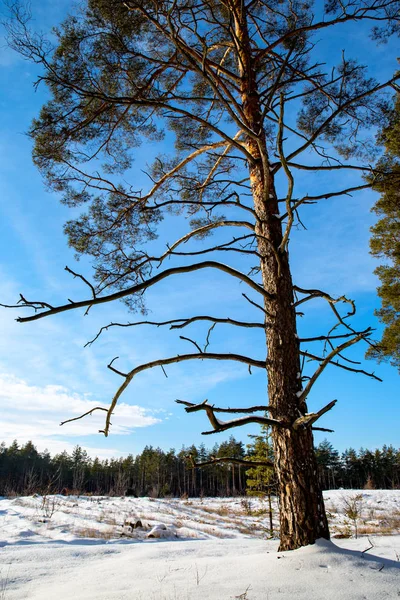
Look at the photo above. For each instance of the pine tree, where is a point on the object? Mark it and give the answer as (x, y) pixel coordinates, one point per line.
(385, 240)
(328, 463)
(260, 479)
(239, 87)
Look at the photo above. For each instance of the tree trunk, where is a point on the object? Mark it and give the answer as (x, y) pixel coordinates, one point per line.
(302, 512)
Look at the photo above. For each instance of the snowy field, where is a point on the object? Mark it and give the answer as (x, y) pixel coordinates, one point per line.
(99, 548)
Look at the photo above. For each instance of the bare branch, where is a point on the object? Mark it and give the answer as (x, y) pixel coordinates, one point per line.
(310, 418)
(288, 173)
(24, 303)
(219, 426)
(207, 343)
(255, 304)
(192, 342)
(89, 412)
(83, 279)
(328, 360)
(313, 199)
(315, 293)
(322, 338)
(204, 229)
(109, 366)
(341, 109)
(179, 324)
(230, 460)
(345, 367)
(135, 289)
(168, 361)
(248, 410)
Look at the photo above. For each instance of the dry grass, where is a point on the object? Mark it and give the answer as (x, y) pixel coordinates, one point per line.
(373, 524)
(179, 524)
(248, 529)
(214, 532)
(222, 511)
(108, 518)
(394, 520)
(91, 532)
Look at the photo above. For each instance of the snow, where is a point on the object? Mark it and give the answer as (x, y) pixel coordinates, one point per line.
(85, 548)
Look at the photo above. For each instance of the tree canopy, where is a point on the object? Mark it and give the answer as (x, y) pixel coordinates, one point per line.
(385, 240)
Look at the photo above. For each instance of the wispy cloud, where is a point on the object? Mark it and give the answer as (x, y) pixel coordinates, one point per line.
(35, 412)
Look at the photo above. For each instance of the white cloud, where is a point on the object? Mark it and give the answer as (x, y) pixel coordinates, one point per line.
(34, 412)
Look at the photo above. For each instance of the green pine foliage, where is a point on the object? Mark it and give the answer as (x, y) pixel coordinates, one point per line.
(385, 241)
(260, 479)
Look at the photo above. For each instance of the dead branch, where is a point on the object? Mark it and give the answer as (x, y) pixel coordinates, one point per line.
(313, 199)
(255, 304)
(24, 303)
(315, 293)
(230, 460)
(345, 367)
(322, 338)
(328, 360)
(140, 287)
(248, 410)
(219, 426)
(75, 275)
(310, 418)
(289, 176)
(195, 344)
(109, 366)
(179, 324)
(89, 412)
(168, 361)
(202, 230)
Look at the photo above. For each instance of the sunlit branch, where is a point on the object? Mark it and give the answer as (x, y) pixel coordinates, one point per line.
(140, 287)
(310, 418)
(89, 412)
(315, 293)
(219, 426)
(180, 166)
(288, 173)
(247, 410)
(216, 164)
(344, 367)
(329, 360)
(162, 362)
(313, 199)
(179, 324)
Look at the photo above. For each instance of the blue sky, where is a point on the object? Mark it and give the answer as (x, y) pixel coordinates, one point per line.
(46, 375)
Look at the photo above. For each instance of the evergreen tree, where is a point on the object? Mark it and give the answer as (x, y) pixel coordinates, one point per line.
(328, 463)
(260, 479)
(385, 240)
(239, 87)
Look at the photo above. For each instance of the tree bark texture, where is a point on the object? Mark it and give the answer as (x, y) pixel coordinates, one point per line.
(302, 513)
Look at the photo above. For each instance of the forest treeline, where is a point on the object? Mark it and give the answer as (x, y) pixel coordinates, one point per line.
(159, 473)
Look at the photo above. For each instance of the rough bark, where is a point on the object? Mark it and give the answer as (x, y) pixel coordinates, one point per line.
(302, 513)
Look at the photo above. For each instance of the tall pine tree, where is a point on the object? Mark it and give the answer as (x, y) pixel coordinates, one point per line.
(240, 89)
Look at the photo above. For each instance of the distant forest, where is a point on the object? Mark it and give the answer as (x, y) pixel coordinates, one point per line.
(156, 473)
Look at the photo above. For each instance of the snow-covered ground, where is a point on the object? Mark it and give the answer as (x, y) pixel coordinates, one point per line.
(86, 548)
